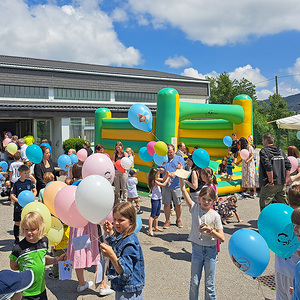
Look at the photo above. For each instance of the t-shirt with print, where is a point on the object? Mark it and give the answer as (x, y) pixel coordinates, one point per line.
(32, 257)
(14, 168)
(20, 186)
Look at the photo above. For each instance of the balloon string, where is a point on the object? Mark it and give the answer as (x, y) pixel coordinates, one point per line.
(154, 135)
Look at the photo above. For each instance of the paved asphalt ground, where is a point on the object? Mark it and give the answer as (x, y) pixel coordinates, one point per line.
(167, 260)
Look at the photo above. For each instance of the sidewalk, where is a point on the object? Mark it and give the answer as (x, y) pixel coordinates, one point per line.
(167, 260)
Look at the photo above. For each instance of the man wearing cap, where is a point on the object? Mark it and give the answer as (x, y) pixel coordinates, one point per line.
(172, 193)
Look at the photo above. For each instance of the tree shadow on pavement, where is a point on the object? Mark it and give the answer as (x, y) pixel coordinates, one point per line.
(184, 255)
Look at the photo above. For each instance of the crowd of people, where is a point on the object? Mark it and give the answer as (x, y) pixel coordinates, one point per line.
(117, 240)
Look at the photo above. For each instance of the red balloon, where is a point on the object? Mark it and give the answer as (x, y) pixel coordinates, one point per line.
(119, 167)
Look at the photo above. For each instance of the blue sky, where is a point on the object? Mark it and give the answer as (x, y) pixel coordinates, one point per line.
(252, 38)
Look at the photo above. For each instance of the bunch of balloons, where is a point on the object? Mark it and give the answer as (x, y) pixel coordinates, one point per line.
(156, 151)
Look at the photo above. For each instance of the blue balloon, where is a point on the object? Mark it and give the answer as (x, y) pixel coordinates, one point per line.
(249, 252)
(34, 153)
(25, 197)
(139, 224)
(3, 166)
(64, 162)
(298, 135)
(140, 117)
(144, 154)
(74, 159)
(76, 182)
(46, 145)
(275, 225)
(160, 160)
(201, 158)
(227, 140)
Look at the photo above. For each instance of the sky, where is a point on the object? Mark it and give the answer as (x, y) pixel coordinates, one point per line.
(254, 39)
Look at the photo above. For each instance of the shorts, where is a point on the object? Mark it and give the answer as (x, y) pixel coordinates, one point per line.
(229, 171)
(155, 208)
(236, 154)
(17, 212)
(169, 195)
(41, 296)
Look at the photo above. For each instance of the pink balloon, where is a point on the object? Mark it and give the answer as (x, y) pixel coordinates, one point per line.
(150, 148)
(244, 154)
(99, 164)
(66, 209)
(107, 155)
(6, 141)
(294, 163)
(82, 154)
(109, 218)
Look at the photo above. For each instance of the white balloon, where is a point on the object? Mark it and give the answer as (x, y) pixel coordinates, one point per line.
(94, 198)
(126, 163)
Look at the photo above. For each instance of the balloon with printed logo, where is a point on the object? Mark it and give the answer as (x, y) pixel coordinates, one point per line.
(99, 164)
(55, 233)
(227, 141)
(294, 162)
(144, 155)
(249, 252)
(150, 147)
(74, 159)
(25, 197)
(34, 153)
(161, 148)
(64, 162)
(244, 154)
(12, 148)
(201, 158)
(46, 145)
(50, 193)
(126, 163)
(275, 225)
(140, 117)
(3, 166)
(160, 160)
(82, 154)
(41, 208)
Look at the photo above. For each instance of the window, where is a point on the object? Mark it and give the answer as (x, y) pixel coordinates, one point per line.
(12, 91)
(82, 128)
(89, 95)
(135, 97)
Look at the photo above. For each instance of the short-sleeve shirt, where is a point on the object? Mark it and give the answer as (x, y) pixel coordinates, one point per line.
(131, 183)
(20, 186)
(199, 217)
(14, 168)
(296, 283)
(171, 167)
(32, 257)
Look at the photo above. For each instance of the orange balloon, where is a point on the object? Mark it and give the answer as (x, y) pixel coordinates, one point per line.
(50, 193)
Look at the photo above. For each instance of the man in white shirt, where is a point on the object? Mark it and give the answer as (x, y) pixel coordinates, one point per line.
(23, 148)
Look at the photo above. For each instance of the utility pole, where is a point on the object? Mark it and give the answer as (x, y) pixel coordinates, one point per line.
(276, 84)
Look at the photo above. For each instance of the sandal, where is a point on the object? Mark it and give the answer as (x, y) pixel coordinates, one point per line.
(158, 229)
(150, 233)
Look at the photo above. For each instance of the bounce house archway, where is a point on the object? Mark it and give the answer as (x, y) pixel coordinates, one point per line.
(195, 124)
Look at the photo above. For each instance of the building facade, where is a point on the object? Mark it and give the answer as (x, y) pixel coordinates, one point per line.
(57, 99)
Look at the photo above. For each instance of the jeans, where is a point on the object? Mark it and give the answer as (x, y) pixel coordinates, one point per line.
(203, 256)
(129, 295)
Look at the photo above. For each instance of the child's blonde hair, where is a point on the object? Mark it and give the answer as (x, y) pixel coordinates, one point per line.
(127, 210)
(151, 178)
(72, 151)
(129, 151)
(34, 220)
(211, 178)
(230, 154)
(48, 177)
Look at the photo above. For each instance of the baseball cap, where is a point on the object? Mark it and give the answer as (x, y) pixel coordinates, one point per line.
(133, 171)
(9, 134)
(12, 282)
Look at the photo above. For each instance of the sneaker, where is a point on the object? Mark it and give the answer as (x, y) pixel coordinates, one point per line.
(139, 212)
(172, 212)
(179, 224)
(105, 292)
(255, 195)
(167, 225)
(51, 276)
(82, 288)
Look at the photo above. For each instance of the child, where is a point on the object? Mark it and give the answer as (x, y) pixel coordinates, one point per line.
(30, 254)
(14, 168)
(222, 167)
(295, 217)
(209, 178)
(154, 184)
(127, 272)
(130, 153)
(132, 194)
(22, 184)
(48, 177)
(230, 166)
(204, 251)
(227, 208)
(83, 258)
(285, 267)
(234, 147)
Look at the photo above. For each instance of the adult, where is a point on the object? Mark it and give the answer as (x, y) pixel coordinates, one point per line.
(23, 148)
(181, 149)
(295, 176)
(87, 147)
(47, 165)
(8, 157)
(249, 175)
(120, 177)
(99, 148)
(172, 193)
(274, 170)
(194, 181)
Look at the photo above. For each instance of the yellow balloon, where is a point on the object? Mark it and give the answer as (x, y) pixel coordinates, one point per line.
(12, 148)
(55, 233)
(50, 193)
(42, 209)
(161, 148)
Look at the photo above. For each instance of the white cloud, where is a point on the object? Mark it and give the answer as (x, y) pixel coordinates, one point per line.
(191, 72)
(119, 15)
(81, 33)
(221, 22)
(295, 70)
(263, 94)
(177, 62)
(251, 74)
